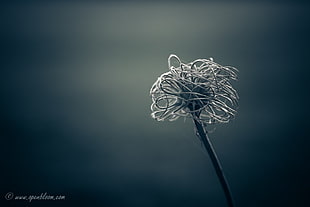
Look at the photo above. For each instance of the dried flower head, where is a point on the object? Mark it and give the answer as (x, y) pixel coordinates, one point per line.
(200, 89)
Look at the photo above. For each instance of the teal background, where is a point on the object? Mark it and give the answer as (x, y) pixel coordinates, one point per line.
(75, 105)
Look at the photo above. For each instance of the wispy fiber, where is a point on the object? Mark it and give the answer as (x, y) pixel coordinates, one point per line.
(201, 87)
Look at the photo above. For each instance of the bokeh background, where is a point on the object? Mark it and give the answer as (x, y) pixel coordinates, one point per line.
(75, 105)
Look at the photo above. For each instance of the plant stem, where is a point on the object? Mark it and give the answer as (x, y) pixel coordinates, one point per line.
(215, 161)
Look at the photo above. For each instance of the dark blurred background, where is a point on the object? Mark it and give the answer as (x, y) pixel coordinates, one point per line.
(75, 105)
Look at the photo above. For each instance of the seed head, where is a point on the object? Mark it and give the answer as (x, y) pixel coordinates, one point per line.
(200, 89)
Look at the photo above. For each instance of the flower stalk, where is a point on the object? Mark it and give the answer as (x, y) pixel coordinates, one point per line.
(215, 161)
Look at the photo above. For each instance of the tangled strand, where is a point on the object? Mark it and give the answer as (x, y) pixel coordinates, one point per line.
(200, 89)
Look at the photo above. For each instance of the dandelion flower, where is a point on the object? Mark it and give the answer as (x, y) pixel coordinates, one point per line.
(201, 90)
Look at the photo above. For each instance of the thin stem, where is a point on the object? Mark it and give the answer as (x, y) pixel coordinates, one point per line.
(215, 161)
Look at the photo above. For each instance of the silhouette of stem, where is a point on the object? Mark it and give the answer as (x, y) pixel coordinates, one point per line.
(215, 161)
